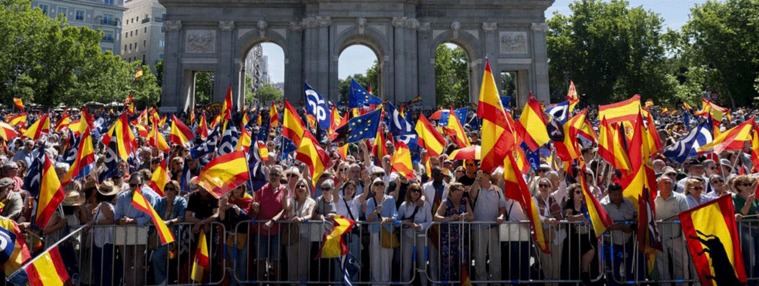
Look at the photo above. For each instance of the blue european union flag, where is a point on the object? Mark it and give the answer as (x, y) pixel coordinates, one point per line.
(364, 126)
(359, 97)
(461, 114)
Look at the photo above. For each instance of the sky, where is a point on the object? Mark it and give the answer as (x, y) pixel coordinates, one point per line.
(358, 58)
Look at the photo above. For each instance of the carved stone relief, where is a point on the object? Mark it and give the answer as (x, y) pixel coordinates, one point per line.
(513, 42)
(200, 41)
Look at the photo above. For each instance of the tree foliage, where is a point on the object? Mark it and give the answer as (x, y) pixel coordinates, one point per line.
(451, 76)
(609, 50)
(721, 41)
(48, 62)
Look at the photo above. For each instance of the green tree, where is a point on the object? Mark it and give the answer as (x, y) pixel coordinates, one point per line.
(204, 87)
(47, 61)
(721, 39)
(451, 76)
(609, 50)
(268, 93)
(369, 78)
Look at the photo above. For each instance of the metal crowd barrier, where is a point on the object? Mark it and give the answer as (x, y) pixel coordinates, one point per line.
(288, 253)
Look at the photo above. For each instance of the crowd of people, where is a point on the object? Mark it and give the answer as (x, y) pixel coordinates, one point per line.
(451, 220)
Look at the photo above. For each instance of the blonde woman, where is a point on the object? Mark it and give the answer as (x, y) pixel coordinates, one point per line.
(300, 208)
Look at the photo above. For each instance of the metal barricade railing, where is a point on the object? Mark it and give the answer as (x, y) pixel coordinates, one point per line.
(288, 253)
(133, 255)
(296, 247)
(487, 252)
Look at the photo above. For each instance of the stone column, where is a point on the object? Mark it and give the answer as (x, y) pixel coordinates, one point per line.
(294, 66)
(225, 71)
(540, 62)
(171, 97)
(316, 61)
(426, 56)
(405, 59)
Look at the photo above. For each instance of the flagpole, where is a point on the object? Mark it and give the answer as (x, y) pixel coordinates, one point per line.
(77, 231)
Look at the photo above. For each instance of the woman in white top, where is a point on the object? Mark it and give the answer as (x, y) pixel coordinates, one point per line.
(300, 208)
(103, 258)
(415, 215)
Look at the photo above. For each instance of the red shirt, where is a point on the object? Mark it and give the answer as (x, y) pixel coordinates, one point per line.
(270, 204)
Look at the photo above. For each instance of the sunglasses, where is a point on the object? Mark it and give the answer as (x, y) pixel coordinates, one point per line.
(744, 185)
(291, 175)
(698, 188)
(544, 185)
(416, 191)
(274, 175)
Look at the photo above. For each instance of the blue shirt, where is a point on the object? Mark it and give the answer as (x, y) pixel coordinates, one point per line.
(388, 211)
(180, 205)
(124, 206)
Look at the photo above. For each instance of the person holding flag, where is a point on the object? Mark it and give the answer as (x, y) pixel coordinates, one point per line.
(126, 214)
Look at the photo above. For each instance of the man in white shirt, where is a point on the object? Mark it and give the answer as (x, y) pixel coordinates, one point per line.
(489, 206)
(622, 212)
(672, 262)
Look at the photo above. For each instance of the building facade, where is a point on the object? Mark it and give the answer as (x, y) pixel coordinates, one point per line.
(101, 15)
(257, 67)
(142, 36)
(216, 36)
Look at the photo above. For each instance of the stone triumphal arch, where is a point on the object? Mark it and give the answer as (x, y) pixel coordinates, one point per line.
(215, 35)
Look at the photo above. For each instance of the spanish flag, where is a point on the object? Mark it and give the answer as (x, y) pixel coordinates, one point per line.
(313, 155)
(124, 137)
(732, 139)
(755, 148)
(497, 134)
(626, 110)
(85, 121)
(429, 138)
(598, 216)
(534, 122)
(17, 119)
(202, 129)
(516, 189)
(51, 194)
(14, 251)
(401, 161)
(180, 134)
(19, 103)
(473, 152)
(274, 115)
(455, 130)
(224, 173)
(292, 126)
(63, 122)
(611, 146)
(379, 150)
(335, 122)
(226, 108)
(155, 139)
(334, 245)
(47, 269)
(343, 151)
(567, 149)
(652, 135)
(244, 142)
(85, 159)
(200, 263)
(716, 112)
(159, 178)
(138, 73)
(713, 242)
(140, 203)
(38, 128)
(7, 132)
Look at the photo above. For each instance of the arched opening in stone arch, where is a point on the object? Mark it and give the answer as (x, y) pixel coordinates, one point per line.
(452, 75)
(264, 74)
(361, 63)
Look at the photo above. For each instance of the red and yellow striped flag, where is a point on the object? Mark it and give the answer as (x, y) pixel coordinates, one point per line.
(19, 103)
(180, 134)
(599, 219)
(713, 242)
(292, 126)
(516, 189)
(534, 122)
(140, 203)
(401, 161)
(732, 139)
(572, 96)
(7, 132)
(47, 269)
(626, 110)
(38, 128)
(496, 132)
(334, 245)
(125, 141)
(455, 130)
(85, 159)
(274, 116)
(63, 122)
(200, 263)
(159, 178)
(17, 119)
(202, 129)
(224, 173)
(611, 146)
(429, 138)
(313, 155)
(51, 194)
